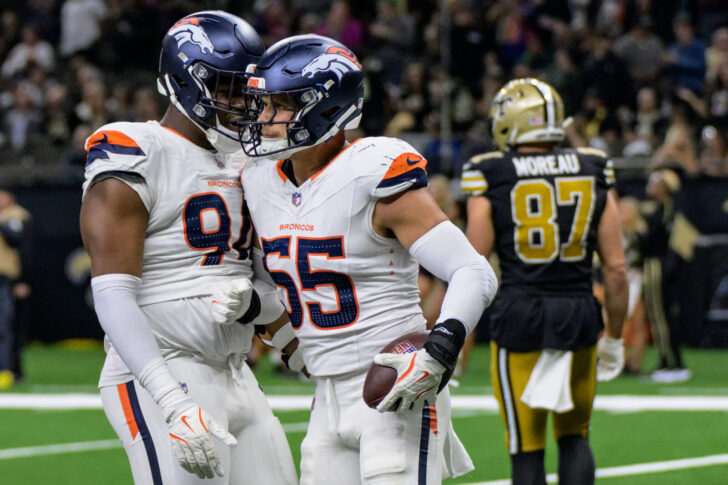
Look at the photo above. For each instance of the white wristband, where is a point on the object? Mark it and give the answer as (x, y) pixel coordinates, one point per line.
(157, 379)
(295, 361)
(283, 336)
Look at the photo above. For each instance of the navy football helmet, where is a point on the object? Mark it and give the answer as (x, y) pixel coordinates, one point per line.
(202, 70)
(319, 78)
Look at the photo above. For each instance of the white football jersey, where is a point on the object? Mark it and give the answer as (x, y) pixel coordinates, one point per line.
(198, 228)
(198, 234)
(348, 291)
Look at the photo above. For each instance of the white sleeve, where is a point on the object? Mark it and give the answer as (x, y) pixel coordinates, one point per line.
(115, 301)
(446, 252)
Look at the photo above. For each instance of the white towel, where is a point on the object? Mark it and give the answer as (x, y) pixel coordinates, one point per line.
(549, 386)
(455, 458)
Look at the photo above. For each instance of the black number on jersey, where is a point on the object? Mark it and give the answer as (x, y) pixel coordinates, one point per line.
(310, 280)
(201, 237)
(534, 205)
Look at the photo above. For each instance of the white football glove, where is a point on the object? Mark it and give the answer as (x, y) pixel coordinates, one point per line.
(190, 428)
(610, 358)
(418, 377)
(231, 300)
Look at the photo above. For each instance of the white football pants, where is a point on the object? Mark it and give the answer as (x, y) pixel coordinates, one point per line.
(262, 455)
(349, 443)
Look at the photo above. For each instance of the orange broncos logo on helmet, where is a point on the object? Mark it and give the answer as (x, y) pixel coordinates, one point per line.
(336, 59)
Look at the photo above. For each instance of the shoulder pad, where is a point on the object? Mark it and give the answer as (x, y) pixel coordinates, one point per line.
(592, 151)
(603, 163)
(485, 156)
(400, 167)
(118, 146)
(473, 181)
(118, 150)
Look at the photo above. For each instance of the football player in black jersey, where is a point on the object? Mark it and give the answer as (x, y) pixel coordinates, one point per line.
(545, 210)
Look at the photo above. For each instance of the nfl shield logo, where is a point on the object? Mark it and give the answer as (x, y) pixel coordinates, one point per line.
(296, 198)
(404, 347)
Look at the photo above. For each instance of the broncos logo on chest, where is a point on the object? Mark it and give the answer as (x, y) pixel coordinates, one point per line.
(336, 59)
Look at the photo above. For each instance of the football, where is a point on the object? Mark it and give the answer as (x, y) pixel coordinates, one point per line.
(380, 379)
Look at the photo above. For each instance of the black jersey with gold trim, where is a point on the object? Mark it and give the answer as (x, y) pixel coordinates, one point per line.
(546, 209)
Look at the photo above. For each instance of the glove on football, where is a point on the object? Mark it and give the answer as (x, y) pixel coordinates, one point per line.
(418, 377)
(190, 428)
(610, 358)
(231, 300)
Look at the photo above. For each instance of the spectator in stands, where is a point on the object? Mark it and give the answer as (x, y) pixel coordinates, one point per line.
(81, 22)
(145, 105)
(392, 38)
(536, 57)
(634, 145)
(679, 145)
(442, 158)
(12, 221)
(413, 97)
(660, 273)
(604, 72)
(636, 326)
(717, 98)
(119, 106)
(274, 22)
(92, 108)
(684, 60)
(21, 293)
(562, 75)
(23, 119)
(74, 157)
(650, 123)
(340, 25)
(9, 31)
(712, 160)
(641, 51)
(56, 123)
(466, 35)
(716, 54)
(31, 50)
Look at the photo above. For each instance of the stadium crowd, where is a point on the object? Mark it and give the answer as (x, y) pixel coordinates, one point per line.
(640, 77)
(643, 80)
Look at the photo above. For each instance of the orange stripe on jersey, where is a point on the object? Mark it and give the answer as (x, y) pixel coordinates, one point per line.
(128, 413)
(404, 163)
(279, 167)
(177, 133)
(433, 418)
(111, 137)
(333, 159)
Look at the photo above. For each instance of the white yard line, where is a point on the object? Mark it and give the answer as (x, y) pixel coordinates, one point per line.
(620, 404)
(59, 448)
(97, 445)
(618, 471)
(638, 469)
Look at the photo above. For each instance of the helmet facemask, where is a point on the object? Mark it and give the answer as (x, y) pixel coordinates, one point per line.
(219, 104)
(299, 103)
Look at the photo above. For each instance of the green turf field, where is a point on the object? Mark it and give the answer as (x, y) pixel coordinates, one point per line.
(666, 447)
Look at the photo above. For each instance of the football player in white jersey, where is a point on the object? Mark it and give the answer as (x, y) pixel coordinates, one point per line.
(168, 233)
(343, 227)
